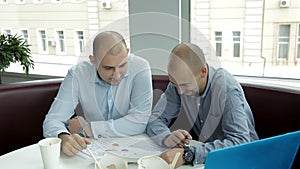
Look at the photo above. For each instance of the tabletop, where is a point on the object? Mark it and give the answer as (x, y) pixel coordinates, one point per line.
(30, 158)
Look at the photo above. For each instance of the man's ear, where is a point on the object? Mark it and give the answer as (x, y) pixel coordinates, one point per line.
(92, 60)
(203, 71)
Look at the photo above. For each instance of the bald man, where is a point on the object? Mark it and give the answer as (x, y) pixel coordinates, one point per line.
(114, 90)
(215, 109)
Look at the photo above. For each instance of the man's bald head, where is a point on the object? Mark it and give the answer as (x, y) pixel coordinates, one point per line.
(189, 54)
(108, 42)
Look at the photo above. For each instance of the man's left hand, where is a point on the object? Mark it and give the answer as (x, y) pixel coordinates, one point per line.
(77, 123)
(169, 155)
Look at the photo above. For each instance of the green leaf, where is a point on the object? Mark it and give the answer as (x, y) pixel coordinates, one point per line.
(13, 48)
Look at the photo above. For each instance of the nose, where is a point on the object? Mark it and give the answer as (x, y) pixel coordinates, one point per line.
(117, 74)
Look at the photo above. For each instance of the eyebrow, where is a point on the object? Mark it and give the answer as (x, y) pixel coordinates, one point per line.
(182, 84)
(107, 66)
(123, 64)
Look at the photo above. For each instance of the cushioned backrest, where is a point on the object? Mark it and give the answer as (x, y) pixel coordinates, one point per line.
(22, 109)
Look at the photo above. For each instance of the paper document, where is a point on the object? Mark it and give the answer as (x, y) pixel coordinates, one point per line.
(129, 148)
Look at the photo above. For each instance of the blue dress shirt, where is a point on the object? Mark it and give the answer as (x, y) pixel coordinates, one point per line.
(119, 110)
(220, 117)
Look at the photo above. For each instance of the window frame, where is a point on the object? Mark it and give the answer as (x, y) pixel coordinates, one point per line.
(77, 51)
(39, 41)
(297, 54)
(58, 47)
(56, 1)
(76, 1)
(283, 43)
(236, 42)
(218, 42)
(28, 36)
(4, 31)
(38, 1)
(3, 2)
(20, 1)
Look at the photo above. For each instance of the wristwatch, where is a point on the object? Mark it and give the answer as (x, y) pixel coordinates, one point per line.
(188, 155)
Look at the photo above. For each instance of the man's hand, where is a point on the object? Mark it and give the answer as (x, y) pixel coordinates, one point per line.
(77, 123)
(73, 143)
(169, 155)
(177, 138)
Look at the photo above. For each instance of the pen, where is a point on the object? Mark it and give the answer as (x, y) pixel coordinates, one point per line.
(187, 140)
(96, 161)
(173, 164)
(188, 137)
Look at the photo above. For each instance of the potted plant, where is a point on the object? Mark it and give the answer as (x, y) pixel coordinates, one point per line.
(14, 49)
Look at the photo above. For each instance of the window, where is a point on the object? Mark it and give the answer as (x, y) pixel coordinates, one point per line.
(42, 42)
(236, 43)
(298, 43)
(56, 1)
(218, 40)
(76, 1)
(79, 42)
(60, 39)
(246, 39)
(7, 31)
(20, 1)
(283, 41)
(38, 1)
(25, 36)
(3, 2)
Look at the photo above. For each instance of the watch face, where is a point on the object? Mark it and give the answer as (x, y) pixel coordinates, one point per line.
(188, 157)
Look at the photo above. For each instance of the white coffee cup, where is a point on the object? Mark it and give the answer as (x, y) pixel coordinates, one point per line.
(50, 152)
(152, 162)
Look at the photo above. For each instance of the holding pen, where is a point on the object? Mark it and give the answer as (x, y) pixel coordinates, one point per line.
(187, 139)
(179, 142)
(80, 126)
(177, 138)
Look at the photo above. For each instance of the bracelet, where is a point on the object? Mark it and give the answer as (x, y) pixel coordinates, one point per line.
(63, 133)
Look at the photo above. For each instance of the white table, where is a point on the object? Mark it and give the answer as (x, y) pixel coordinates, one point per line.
(30, 158)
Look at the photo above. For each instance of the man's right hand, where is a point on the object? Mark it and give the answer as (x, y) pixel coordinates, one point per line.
(177, 138)
(73, 143)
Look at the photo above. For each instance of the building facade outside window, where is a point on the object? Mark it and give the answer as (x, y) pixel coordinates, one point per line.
(247, 36)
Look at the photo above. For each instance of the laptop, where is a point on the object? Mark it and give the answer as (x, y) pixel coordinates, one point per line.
(276, 152)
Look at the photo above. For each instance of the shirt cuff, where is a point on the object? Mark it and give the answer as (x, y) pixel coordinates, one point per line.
(198, 154)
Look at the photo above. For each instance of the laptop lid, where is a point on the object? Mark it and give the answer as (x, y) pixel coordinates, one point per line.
(276, 152)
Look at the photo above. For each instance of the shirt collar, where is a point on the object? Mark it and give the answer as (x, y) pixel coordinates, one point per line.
(211, 71)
